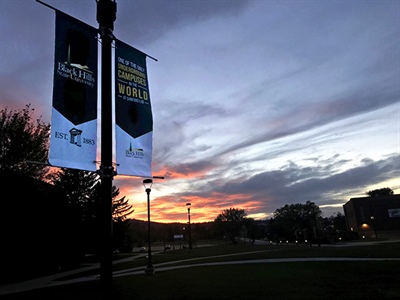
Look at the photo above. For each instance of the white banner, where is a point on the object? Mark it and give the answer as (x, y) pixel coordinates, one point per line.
(73, 139)
(72, 146)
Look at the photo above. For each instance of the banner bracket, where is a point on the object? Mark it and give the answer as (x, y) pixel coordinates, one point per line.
(45, 4)
(106, 172)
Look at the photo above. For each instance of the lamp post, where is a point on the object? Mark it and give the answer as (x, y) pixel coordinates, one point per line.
(190, 237)
(316, 233)
(373, 224)
(147, 183)
(106, 15)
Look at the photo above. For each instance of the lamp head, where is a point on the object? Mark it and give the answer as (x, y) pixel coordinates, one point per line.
(147, 183)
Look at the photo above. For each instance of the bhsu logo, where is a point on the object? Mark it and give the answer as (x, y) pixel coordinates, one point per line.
(134, 152)
(75, 137)
(78, 72)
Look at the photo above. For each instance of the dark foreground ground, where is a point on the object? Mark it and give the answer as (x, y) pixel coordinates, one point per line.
(362, 271)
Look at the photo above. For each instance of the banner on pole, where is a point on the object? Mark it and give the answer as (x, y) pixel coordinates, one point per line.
(73, 139)
(134, 121)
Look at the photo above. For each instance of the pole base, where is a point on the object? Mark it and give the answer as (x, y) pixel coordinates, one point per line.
(149, 270)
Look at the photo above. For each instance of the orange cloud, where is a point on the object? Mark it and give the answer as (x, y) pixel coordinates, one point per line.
(169, 209)
(194, 170)
(168, 206)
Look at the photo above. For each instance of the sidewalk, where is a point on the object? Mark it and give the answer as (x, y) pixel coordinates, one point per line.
(53, 280)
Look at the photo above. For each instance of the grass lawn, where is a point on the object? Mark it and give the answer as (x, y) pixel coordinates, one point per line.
(288, 280)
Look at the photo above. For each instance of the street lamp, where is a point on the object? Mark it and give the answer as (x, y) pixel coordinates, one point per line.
(316, 233)
(190, 238)
(147, 183)
(373, 224)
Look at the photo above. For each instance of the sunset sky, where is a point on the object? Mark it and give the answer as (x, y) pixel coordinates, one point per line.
(256, 104)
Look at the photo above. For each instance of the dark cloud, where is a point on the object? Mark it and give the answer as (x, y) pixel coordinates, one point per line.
(174, 120)
(147, 21)
(314, 115)
(294, 184)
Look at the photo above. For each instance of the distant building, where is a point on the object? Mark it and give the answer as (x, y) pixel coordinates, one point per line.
(374, 217)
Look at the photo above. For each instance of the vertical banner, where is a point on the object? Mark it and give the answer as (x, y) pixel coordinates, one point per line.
(73, 139)
(134, 120)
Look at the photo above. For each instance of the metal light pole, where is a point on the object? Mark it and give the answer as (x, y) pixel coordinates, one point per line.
(190, 237)
(373, 224)
(316, 233)
(147, 185)
(106, 15)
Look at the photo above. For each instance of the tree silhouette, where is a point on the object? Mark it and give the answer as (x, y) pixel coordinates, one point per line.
(230, 222)
(292, 221)
(22, 139)
(380, 192)
(121, 209)
(83, 191)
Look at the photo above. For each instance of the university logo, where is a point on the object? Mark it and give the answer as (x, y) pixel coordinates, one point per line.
(75, 137)
(134, 152)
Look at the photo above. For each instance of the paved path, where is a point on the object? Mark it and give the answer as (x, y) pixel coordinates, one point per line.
(54, 280)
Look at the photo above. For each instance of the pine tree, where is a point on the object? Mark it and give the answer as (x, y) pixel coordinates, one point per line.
(121, 209)
(81, 190)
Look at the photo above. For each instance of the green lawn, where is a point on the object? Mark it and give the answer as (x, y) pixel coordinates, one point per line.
(294, 280)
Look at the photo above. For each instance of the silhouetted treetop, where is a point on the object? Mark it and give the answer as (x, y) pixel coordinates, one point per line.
(380, 192)
(23, 139)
